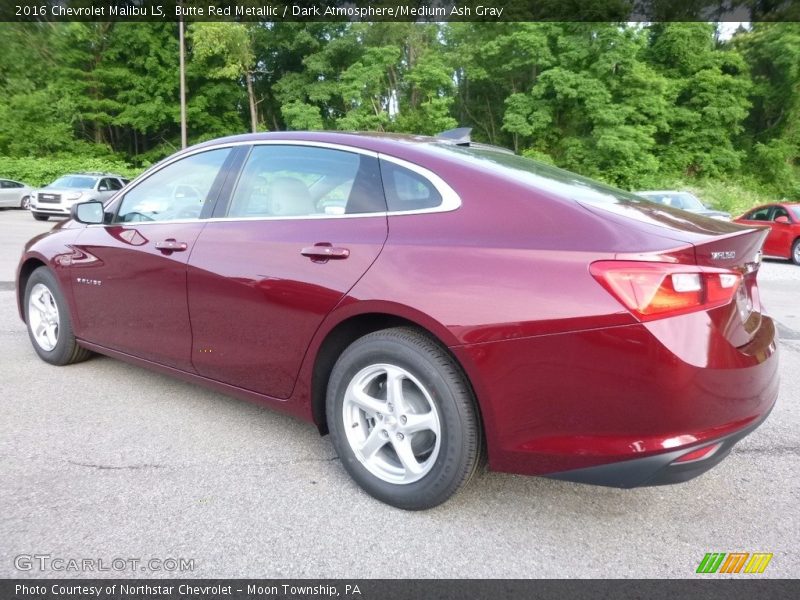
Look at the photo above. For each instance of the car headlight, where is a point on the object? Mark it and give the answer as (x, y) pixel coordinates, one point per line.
(75, 196)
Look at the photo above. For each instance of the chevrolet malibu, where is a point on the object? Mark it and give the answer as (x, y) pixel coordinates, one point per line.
(428, 302)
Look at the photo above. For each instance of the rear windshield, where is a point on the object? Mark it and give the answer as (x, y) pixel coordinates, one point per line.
(74, 181)
(545, 177)
(591, 194)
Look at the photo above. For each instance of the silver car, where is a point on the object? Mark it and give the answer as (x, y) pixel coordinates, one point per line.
(14, 194)
(57, 198)
(684, 201)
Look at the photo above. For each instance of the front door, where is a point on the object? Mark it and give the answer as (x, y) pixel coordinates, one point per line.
(129, 276)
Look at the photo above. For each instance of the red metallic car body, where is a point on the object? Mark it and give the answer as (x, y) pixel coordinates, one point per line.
(568, 381)
(783, 220)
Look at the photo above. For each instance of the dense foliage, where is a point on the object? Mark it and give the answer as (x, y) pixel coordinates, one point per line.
(663, 105)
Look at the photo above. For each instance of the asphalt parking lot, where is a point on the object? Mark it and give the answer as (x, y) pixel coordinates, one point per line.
(104, 460)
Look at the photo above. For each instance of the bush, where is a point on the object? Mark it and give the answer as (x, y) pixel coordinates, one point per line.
(41, 171)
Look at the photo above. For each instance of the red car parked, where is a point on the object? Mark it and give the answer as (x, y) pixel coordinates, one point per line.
(425, 301)
(783, 220)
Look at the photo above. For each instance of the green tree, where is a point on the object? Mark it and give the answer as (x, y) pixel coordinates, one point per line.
(227, 50)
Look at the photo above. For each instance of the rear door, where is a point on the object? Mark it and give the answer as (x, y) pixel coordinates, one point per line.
(129, 276)
(302, 225)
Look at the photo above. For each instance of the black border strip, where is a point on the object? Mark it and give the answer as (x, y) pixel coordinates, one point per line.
(400, 10)
(710, 587)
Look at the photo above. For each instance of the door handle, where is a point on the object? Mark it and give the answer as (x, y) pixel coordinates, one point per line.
(324, 251)
(171, 245)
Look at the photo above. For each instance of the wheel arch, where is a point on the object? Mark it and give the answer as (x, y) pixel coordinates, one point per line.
(348, 329)
(24, 273)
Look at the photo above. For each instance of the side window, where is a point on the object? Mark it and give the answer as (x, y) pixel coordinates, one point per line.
(177, 191)
(407, 190)
(103, 185)
(5, 184)
(299, 181)
(113, 184)
(762, 214)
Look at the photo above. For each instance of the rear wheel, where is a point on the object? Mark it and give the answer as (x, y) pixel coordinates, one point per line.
(796, 252)
(47, 317)
(25, 203)
(403, 419)
(40, 216)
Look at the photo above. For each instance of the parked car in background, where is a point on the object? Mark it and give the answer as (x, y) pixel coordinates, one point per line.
(420, 300)
(14, 194)
(57, 198)
(684, 201)
(783, 221)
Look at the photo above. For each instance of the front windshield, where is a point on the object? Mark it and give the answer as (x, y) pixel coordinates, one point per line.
(74, 181)
(795, 212)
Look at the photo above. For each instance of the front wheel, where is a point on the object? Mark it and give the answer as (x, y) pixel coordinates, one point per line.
(40, 216)
(47, 317)
(796, 252)
(403, 419)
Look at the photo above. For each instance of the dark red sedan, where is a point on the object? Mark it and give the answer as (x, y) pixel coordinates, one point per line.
(783, 220)
(426, 302)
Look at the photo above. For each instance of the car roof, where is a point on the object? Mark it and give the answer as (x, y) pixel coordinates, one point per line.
(401, 145)
(770, 204)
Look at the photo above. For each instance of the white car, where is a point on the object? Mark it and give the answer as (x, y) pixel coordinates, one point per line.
(684, 201)
(14, 194)
(57, 198)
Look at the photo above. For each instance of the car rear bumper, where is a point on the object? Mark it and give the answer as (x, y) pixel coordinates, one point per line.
(617, 406)
(660, 469)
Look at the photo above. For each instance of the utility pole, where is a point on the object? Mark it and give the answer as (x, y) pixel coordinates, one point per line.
(183, 81)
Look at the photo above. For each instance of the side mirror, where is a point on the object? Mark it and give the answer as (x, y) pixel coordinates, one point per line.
(89, 213)
(782, 219)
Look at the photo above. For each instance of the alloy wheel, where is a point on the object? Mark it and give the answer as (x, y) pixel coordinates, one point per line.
(43, 317)
(391, 423)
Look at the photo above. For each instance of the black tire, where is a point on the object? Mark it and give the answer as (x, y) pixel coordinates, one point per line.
(432, 380)
(25, 202)
(40, 216)
(66, 349)
(796, 252)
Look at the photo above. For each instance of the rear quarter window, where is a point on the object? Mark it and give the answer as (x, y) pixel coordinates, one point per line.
(406, 190)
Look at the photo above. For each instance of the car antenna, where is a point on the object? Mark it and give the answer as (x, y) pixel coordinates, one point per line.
(459, 136)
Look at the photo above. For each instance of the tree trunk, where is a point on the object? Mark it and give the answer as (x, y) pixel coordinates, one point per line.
(252, 99)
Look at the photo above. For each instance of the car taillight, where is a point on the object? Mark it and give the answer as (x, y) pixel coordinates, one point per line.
(653, 290)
